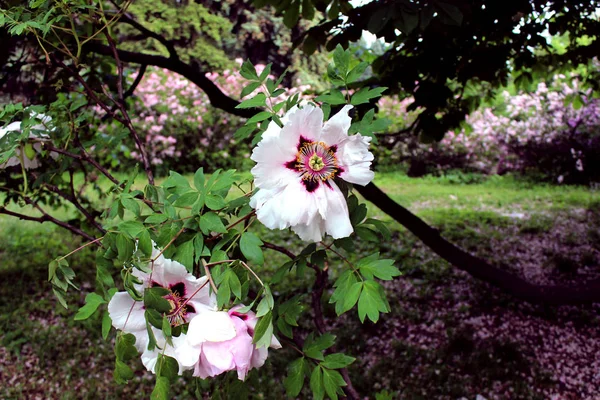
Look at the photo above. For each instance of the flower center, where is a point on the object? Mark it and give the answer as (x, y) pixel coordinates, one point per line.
(316, 161)
(180, 305)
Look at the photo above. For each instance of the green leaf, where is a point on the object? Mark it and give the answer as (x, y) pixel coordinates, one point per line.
(351, 297)
(125, 247)
(250, 247)
(145, 243)
(356, 72)
(261, 116)
(211, 222)
(314, 348)
(185, 255)
(380, 226)
(153, 299)
(125, 347)
(316, 383)
(371, 303)
(78, 103)
(366, 234)
(176, 180)
(290, 19)
(365, 94)
(106, 325)
(295, 379)
(132, 228)
(248, 71)
(337, 361)
(308, 10)
(155, 219)
(167, 367)
(186, 200)
(333, 98)
(264, 331)
(260, 100)
(122, 372)
(341, 58)
(92, 302)
(372, 266)
(332, 380)
(161, 389)
(199, 179)
(214, 202)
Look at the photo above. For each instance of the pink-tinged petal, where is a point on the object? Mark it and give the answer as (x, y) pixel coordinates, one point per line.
(337, 220)
(355, 159)
(242, 348)
(336, 129)
(218, 355)
(126, 314)
(213, 326)
(259, 356)
(275, 343)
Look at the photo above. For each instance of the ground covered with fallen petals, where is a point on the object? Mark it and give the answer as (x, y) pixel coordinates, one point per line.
(448, 336)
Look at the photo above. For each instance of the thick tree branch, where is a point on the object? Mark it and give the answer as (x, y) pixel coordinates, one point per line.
(478, 268)
(217, 98)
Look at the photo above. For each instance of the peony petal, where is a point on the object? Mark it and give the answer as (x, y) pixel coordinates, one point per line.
(336, 129)
(337, 220)
(306, 122)
(187, 354)
(259, 356)
(311, 232)
(218, 355)
(126, 313)
(355, 159)
(210, 326)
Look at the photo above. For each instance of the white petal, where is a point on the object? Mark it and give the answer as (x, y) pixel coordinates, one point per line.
(271, 158)
(336, 129)
(311, 232)
(126, 314)
(168, 272)
(210, 326)
(306, 122)
(337, 220)
(275, 343)
(355, 159)
(14, 126)
(187, 354)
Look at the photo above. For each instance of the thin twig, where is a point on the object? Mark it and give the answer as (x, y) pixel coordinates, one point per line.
(208, 275)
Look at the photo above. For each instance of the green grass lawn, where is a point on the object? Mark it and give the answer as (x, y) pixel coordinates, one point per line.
(44, 352)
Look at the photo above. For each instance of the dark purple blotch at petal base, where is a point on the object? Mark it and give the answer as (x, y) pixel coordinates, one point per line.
(188, 308)
(178, 288)
(310, 185)
(302, 142)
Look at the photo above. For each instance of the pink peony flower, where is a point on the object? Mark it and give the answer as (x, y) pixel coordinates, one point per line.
(219, 341)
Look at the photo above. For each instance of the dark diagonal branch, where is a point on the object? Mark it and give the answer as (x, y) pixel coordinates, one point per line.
(478, 268)
(217, 98)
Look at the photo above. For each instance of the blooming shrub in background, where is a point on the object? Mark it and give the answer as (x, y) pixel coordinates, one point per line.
(552, 132)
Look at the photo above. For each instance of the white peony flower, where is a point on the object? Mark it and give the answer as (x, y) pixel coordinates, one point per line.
(295, 170)
(188, 297)
(28, 156)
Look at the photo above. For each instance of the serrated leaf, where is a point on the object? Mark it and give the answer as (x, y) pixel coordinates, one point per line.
(248, 71)
(365, 94)
(356, 72)
(370, 303)
(383, 269)
(341, 58)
